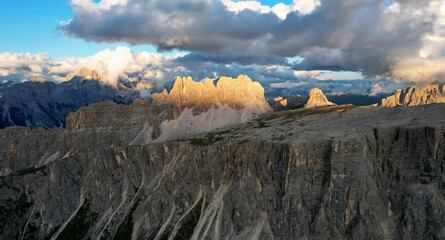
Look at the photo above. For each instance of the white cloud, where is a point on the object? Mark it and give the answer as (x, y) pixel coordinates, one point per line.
(13, 62)
(280, 9)
(123, 64)
(145, 70)
(118, 64)
(420, 70)
(329, 34)
(115, 64)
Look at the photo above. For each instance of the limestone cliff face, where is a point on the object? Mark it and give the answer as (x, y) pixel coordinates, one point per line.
(385, 184)
(237, 93)
(189, 108)
(109, 115)
(338, 172)
(317, 99)
(410, 96)
(230, 101)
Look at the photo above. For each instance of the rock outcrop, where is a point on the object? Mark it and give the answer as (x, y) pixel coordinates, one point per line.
(410, 96)
(237, 93)
(338, 172)
(194, 107)
(287, 103)
(317, 99)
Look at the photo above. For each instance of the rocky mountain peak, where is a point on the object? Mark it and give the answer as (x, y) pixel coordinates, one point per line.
(85, 73)
(236, 93)
(189, 108)
(411, 96)
(317, 99)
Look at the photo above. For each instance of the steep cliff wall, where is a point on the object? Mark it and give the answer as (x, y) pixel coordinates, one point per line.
(314, 173)
(389, 183)
(190, 108)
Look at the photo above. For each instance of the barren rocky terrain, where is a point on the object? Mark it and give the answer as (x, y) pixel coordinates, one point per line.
(341, 172)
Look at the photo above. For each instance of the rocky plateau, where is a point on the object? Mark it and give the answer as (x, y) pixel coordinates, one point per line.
(207, 161)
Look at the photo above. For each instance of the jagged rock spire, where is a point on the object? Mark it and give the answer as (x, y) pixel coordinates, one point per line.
(236, 93)
(317, 99)
(410, 96)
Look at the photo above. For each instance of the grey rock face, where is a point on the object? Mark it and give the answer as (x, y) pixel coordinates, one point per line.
(410, 96)
(388, 184)
(379, 173)
(287, 103)
(46, 104)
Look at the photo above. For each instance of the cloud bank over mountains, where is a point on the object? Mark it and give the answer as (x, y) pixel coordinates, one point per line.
(121, 63)
(124, 65)
(381, 38)
(402, 41)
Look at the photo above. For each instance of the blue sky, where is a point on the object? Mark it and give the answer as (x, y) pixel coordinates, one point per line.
(31, 26)
(310, 40)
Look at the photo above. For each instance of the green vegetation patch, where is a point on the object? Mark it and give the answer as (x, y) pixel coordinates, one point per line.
(208, 139)
(9, 210)
(81, 223)
(27, 171)
(243, 141)
(291, 114)
(189, 223)
(166, 234)
(261, 124)
(312, 111)
(126, 227)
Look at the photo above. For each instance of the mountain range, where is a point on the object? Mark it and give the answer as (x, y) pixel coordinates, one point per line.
(215, 161)
(40, 103)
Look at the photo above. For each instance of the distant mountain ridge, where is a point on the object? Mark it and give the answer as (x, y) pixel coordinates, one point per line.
(40, 103)
(411, 96)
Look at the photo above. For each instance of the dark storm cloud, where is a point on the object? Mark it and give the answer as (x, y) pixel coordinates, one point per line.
(337, 35)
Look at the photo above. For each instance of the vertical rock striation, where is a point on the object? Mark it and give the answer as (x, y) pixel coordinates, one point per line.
(388, 184)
